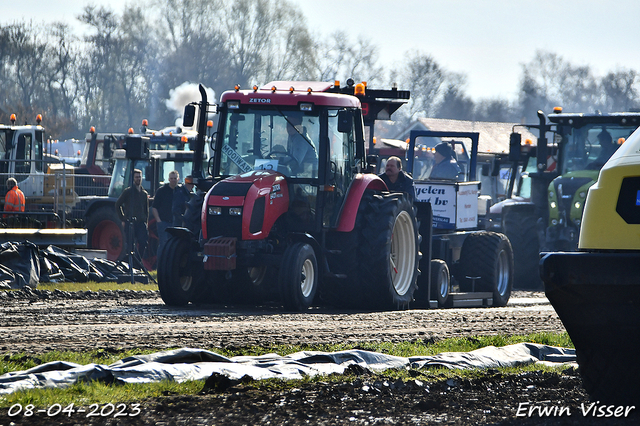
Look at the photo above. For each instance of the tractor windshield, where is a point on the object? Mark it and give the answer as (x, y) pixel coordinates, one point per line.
(281, 140)
(589, 147)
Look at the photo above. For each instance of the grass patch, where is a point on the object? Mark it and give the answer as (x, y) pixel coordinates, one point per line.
(99, 393)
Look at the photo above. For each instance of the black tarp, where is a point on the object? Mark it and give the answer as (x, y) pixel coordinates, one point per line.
(23, 264)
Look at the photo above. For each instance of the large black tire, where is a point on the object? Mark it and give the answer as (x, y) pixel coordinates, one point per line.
(388, 251)
(520, 226)
(440, 283)
(104, 232)
(487, 257)
(180, 277)
(298, 278)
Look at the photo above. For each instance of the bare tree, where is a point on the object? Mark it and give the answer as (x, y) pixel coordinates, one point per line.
(424, 77)
(620, 90)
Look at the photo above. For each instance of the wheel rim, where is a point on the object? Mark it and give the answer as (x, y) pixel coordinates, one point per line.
(444, 283)
(308, 278)
(402, 253)
(503, 273)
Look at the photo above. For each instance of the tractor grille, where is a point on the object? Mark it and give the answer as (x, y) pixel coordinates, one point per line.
(569, 188)
(224, 225)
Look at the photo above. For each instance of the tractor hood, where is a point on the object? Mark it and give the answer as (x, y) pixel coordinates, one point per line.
(245, 206)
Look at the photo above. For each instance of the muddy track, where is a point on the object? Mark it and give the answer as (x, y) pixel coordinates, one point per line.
(37, 321)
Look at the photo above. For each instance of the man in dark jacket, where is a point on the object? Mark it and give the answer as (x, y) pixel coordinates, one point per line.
(133, 205)
(396, 179)
(181, 197)
(162, 209)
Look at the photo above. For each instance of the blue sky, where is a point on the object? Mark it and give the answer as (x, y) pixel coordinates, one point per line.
(486, 40)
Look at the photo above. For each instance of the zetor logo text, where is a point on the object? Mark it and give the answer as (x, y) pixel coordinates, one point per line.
(259, 101)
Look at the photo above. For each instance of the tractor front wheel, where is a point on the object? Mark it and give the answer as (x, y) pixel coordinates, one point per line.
(180, 278)
(298, 277)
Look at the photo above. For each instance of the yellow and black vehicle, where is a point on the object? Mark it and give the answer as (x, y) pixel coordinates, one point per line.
(595, 290)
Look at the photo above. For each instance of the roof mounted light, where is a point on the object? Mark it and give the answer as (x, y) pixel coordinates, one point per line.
(273, 89)
(13, 119)
(210, 123)
(306, 106)
(237, 88)
(359, 90)
(39, 118)
(130, 130)
(336, 84)
(557, 110)
(255, 88)
(291, 89)
(92, 129)
(309, 90)
(145, 122)
(233, 104)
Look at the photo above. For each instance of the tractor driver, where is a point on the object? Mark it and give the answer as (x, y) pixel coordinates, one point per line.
(396, 179)
(607, 148)
(300, 147)
(446, 166)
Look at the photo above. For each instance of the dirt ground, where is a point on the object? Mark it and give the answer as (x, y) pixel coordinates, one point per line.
(36, 321)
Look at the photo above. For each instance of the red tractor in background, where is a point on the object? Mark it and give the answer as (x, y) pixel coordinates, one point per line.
(290, 210)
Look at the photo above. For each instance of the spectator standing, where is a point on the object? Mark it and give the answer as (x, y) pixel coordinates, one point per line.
(133, 205)
(162, 209)
(181, 197)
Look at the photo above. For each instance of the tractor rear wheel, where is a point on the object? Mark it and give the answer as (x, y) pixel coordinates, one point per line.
(104, 232)
(388, 251)
(487, 258)
(520, 226)
(298, 277)
(180, 278)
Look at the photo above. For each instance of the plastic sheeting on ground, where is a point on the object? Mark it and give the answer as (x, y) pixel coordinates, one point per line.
(196, 364)
(23, 264)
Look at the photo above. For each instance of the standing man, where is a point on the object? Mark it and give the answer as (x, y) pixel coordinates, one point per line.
(14, 200)
(162, 209)
(181, 197)
(133, 205)
(396, 179)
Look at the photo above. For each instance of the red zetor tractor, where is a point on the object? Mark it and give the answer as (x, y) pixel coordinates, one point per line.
(289, 209)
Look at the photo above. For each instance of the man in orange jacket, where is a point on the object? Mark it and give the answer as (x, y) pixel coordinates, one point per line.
(14, 200)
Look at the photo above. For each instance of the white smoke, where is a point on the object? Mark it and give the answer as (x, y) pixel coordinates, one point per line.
(184, 95)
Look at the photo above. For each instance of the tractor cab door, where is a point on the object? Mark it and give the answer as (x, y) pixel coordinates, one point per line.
(26, 162)
(343, 162)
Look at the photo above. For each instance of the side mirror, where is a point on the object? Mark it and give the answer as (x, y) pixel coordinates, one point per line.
(189, 115)
(345, 121)
(515, 143)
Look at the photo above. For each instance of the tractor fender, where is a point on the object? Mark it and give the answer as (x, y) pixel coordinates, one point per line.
(349, 211)
(180, 232)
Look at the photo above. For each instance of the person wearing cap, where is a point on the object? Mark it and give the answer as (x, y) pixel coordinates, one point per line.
(181, 197)
(396, 179)
(445, 167)
(14, 200)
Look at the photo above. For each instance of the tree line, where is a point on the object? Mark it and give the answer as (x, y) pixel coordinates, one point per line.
(127, 66)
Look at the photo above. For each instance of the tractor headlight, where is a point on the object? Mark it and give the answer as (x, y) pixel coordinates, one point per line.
(577, 205)
(235, 211)
(216, 211)
(553, 205)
